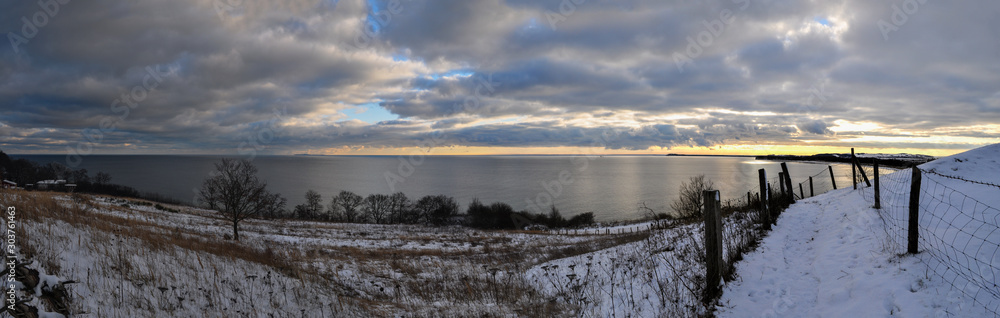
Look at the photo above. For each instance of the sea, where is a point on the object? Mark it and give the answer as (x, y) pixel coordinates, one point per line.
(613, 187)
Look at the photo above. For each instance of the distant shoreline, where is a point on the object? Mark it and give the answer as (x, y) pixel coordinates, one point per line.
(894, 160)
(536, 155)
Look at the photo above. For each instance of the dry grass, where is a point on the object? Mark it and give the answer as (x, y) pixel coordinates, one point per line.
(380, 270)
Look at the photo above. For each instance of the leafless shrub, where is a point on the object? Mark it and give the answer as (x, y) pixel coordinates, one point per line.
(688, 203)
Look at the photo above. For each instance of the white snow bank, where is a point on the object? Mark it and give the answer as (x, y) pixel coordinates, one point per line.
(980, 164)
(835, 256)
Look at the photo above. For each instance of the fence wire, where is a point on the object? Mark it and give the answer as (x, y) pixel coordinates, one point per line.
(821, 183)
(959, 237)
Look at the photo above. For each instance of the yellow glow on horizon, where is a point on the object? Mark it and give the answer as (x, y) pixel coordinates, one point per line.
(734, 149)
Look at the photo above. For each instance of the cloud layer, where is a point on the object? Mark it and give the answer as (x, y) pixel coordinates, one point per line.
(207, 76)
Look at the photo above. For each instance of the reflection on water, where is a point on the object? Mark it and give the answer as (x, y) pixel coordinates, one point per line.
(610, 186)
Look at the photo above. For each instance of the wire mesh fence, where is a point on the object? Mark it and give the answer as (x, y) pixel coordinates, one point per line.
(820, 183)
(959, 236)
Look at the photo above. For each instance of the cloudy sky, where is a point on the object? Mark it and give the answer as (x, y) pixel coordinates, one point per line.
(498, 76)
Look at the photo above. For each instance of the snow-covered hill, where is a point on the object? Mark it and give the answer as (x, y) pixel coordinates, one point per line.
(835, 256)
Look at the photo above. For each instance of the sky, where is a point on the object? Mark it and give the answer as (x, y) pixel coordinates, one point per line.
(498, 76)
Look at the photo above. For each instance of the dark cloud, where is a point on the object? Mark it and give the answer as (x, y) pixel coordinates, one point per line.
(497, 73)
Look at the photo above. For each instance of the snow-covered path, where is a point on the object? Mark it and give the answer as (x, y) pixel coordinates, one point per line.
(825, 258)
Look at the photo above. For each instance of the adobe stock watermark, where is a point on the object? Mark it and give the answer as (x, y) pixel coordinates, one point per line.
(225, 9)
(256, 141)
(706, 38)
(553, 188)
(263, 135)
(818, 97)
(485, 87)
(408, 164)
(10, 253)
(900, 15)
(31, 27)
(379, 20)
(122, 106)
(566, 9)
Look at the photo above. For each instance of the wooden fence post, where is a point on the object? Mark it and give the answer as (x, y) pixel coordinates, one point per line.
(771, 209)
(864, 175)
(832, 179)
(788, 182)
(854, 170)
(713, 243)
(802, 194)
(811, 193)
(878, 195)
(781, 181)
(911, 246)
(763, 198)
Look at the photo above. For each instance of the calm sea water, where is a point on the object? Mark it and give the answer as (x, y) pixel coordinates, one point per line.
(612, 187)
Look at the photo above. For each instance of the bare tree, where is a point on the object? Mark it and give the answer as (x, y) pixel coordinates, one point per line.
(345, 205)
(688, 203)
(237, 192)
(102, 178)
(312, 208)
(436, 209)
(399, 206)
(377, 207)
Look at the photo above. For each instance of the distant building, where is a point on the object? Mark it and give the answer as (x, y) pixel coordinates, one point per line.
(7, 184)
(55, 185)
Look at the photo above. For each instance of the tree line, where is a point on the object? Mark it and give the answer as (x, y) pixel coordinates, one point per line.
(236, 192)
(397, 208)
(24, 171)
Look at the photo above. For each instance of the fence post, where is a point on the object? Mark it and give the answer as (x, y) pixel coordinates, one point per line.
(832, 179)
(772, 213)
(763, 197)
(811, 193)
(802, 194)
(781, 181)
(863, 174)
(878, 195)
(713, 243)
(854, 170)
(911, 246)
(749, 199)
(788, 183)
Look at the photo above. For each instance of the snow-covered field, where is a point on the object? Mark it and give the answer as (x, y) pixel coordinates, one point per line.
(836, 256)
(131, 259)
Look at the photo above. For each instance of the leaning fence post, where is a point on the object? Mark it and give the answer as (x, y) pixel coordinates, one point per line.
(788, 183)
(713, 242)
(878, 195)
(763, 198)
(773, 217)
(802, 194)
(832, 179)
(811, 193)
(781, 181)
(854, 170)
(911, 246)
(863, 174)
